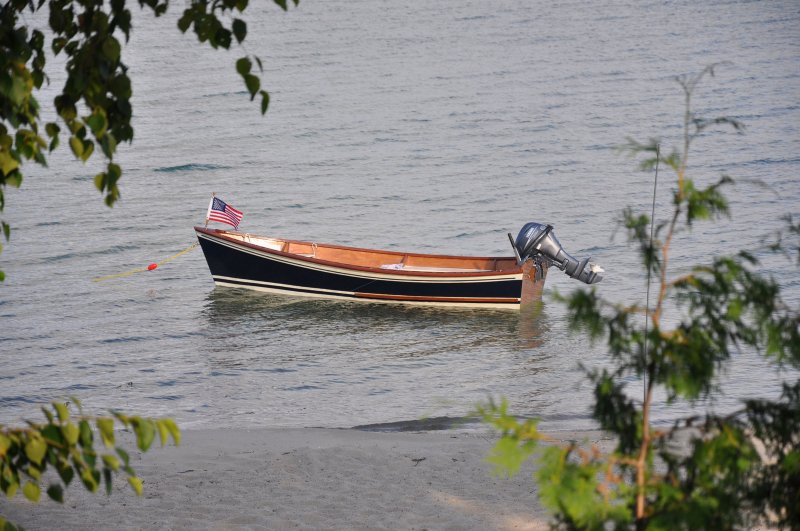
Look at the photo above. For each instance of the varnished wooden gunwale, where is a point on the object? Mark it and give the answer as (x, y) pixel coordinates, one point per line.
(501, 265)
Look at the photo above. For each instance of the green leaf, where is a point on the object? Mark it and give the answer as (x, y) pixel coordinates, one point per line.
(89, 479)
(56, 493)
(112, 196)
(65, 472)
(508, 455)
(71, 433)
(97, 122)
(8, 164)
(221, 38)
(253, 84)
(120, 86)
(111, 48)
(100, 181)
(145, 433)
(136, 483)
(163, 432)
(109, 145)
(264, 101)
(86, 434)
(11, 489)
(88, 148)
(58, 44)
(124, 456)
(52, 129)
(106, 428)
(89, 457)
(185, 21)
(243, 66)
(99, 22)
(18, 91)
(114, 173)
(63, 412)
(77, 146)
(239, 29)
(31, 491)
(34, 472)
(173, 430)
(78, 404)
(111, 462)
(735, 309)
(68, 113)
(5, 444)
(36, 450)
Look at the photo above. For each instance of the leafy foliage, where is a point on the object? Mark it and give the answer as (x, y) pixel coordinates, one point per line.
(67, 445)
(712, 472)
(94, 106)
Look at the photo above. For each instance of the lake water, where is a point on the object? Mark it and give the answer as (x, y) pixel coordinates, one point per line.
(432, 127)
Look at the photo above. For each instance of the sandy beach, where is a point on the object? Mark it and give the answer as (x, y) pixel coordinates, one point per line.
(307, 479)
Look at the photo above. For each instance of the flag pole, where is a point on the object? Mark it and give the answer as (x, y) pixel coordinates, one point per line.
(208, 212)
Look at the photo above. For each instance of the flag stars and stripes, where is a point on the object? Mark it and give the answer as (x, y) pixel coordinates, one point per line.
(220, 211)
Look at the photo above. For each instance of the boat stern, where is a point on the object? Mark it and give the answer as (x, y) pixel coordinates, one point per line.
(534, 273)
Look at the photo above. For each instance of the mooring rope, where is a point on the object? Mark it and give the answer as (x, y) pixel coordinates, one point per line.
(647, 304)
(148, 268)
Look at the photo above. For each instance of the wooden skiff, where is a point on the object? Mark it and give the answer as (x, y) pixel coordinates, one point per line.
(310, 269)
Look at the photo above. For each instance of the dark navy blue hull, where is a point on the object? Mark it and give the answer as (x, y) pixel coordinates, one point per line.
(238, 264)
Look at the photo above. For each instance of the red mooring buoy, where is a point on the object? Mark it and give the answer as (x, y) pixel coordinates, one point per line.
(152, 266)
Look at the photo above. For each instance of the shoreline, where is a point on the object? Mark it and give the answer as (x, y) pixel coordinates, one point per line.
(306, 478)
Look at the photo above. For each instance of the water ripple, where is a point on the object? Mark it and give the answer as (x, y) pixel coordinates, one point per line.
(191, 167)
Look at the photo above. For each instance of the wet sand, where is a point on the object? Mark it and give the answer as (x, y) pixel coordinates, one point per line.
(307, 479)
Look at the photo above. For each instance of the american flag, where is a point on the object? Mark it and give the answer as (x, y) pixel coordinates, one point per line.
(220, 211)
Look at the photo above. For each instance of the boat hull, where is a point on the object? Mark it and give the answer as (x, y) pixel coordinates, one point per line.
(238, 264)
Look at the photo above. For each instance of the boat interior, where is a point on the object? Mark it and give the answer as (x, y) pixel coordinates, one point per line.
(390, 260)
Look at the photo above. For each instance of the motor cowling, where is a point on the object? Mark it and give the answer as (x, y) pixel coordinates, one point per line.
(537, 240)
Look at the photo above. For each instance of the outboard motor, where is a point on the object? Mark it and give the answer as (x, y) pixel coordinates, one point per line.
(538, 240)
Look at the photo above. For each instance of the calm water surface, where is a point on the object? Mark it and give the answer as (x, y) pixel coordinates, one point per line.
(434, 127)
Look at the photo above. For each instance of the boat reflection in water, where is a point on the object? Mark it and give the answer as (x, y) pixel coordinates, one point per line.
(248, 319)
(292, 361)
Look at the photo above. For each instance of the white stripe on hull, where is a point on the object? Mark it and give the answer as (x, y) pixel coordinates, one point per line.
(287, 288)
